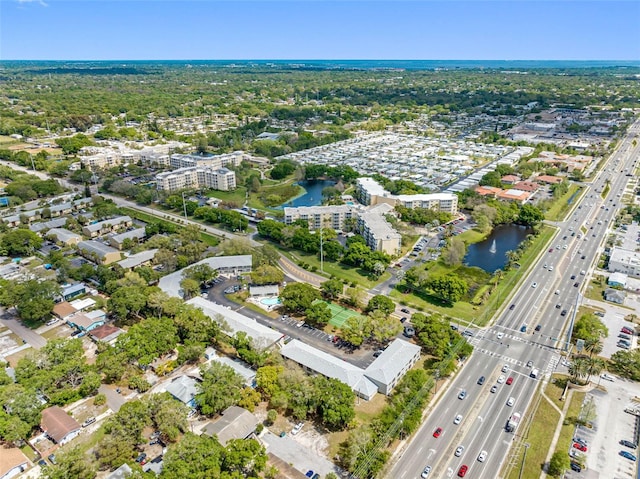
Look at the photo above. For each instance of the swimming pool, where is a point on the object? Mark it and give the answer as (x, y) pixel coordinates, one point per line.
(270, 301)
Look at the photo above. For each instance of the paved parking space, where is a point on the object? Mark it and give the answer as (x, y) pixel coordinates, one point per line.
(611, 424)
(614, 320)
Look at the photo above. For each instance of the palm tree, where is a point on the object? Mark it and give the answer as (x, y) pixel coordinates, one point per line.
(593, 346)
(578, 369)
(594, 367)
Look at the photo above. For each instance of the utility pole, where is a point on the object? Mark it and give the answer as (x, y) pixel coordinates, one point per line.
(321, 255)
(524, 458)
(184, 207)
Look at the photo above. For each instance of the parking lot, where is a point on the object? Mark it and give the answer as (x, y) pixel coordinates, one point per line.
(614, 320)
(605, 410)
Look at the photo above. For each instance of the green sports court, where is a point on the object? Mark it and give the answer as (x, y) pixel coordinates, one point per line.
(338, 314)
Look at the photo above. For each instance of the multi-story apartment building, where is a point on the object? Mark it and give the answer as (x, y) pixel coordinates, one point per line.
(378, 232)
(335, 217)
(370, 192)
(211, 161)
(197, 177)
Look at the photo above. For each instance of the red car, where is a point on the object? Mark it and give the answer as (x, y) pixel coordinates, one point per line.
(550, 250)
(509, 381)
(626, 330)
(437, 432)
(579, 447)
(463, 470)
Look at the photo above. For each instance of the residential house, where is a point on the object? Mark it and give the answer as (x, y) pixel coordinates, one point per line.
(58, 425)
(614, 295)
(70, 291)
(235, 423)
(82, 304)
(45, 226)
(87, 321)
(64, 310)
(549, 179)
(122, 472)
(98, 252)
(510, 179)
(12, 462)
(184, 388)
(239, 366)
(618, 279)
(528, 186)
(106, 333)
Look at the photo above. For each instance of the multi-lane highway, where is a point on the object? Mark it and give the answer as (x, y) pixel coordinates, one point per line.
(552, 286)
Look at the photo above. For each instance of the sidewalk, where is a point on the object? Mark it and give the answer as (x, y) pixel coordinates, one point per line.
(556, 434)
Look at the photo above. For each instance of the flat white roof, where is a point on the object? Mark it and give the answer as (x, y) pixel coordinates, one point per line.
(390, 363)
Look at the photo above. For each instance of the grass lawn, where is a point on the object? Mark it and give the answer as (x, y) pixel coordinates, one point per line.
(139, 215)
(561, 206)
(237, 196)
(596, 289)
(555, 388)
(464, 311)
(15, 357)
(339, 270)
(471, 236)
(568, 427)
(539, 436)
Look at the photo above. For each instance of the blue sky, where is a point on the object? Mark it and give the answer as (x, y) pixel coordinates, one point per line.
(306, 29)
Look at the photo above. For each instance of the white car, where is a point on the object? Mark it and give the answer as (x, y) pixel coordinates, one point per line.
(505, 368)
(458, 419)
(501, 379)
(459, 451)
(550, 268)
(500, 335)
(607, 377)
(297, 428)
(511, 401)
(482, 456)
(426, 472)
(534, 285)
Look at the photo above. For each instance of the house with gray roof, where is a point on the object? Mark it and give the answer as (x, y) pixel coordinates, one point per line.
(98, 252)
(134, 235)
(184, 389)
(64, 236)
(235, 423)
(614, 295)
(45, 226)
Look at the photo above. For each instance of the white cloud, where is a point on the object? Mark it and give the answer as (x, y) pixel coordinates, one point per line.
(41, 2)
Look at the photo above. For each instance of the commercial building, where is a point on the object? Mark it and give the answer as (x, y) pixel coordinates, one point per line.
(370, 192)
(625, 261)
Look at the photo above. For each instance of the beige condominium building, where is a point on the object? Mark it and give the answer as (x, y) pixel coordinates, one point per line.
(197, 177)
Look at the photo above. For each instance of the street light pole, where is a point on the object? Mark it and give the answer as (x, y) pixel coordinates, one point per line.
(524, 458)
(321, 255)
(33, 166)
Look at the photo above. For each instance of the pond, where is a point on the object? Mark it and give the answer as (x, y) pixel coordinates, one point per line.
(491, 254)
(312, 195)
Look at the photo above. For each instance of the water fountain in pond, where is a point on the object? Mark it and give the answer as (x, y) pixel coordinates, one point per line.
(493, 248)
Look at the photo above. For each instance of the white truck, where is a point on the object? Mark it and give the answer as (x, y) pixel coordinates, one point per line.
(512, 423)
(534, 373)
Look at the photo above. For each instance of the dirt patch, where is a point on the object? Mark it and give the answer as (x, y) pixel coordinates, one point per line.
(8, 342)
(15, 357)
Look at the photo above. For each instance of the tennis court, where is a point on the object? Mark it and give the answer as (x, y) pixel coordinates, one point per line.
(338, 314)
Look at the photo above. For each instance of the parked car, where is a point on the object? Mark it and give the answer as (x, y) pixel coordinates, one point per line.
(405, 311)
(89, 421)
(576, 467)
(629, 444)
(607, 377)
(296, 429)
(628, 455)
(580, 447)
(509, 380)
(52, 458)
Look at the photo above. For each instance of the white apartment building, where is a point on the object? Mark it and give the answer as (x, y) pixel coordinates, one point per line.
(211, 161)
(371, 224)
(625, 261)
(197, 177)
(370, 192)
(334, 217)
(117, 154)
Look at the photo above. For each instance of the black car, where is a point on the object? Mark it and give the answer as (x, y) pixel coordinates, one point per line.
(576, 467)
(405, 311)
(481, 380)
(403, 319)
(564, 312)
(629, 444)
(538, 327)
(573, 276)
(576, 284)
(583, 257)
(512, 307)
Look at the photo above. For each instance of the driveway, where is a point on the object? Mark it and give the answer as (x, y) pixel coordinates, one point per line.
(11, 321)
(298, 455)
(114, 400)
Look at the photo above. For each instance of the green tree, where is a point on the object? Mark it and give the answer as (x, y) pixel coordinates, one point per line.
(298, 297)
(558, 464)
(454, 252)
(335, 402)
(194, 457)
(267, 380)
(70, 464)
(267, 274)
(589, 327)
(382, 328)
(381, 303)
(220, 388)
(530, 215)
(332, 288)
(318, 314)
(450, 288)
(190, 288)
(21, 242)
(244, 458)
